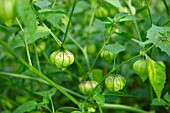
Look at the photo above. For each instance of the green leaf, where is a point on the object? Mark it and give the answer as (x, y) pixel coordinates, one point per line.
(40, 32)
(167, 97)
(127, 18)
(156, 102)
(119, 16)
(157, 76)
(97, 74)
(115, 48)
(99, 98)
(99, 25)
(27, 15)
(26, 107)
(117, 93)
(142, 43)
(54, 18)
(42, 4)
(155, 33)
(115, 3)
(50, 92)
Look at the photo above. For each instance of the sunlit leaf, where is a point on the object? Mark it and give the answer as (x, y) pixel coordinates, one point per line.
(157, 76)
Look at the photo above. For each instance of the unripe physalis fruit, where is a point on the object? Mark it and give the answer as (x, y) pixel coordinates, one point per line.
(62, 58)
(86, 87)
(141, 68)
(115, 82)
(91, 48)
(101, 12)
(107, 55)
(7, 11)
(40, 47)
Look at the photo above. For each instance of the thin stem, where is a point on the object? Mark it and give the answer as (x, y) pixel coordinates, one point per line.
(39, 80)
(166, 6)
(25, 42)
(100, 108)
(78, 45)
(52, 106)
(37, 59)
(53, 35)
(153, 45)
(123, 107)
(46, 57)
(47, 108)
(68, 25)
(54, 3)
(34, 70)
(92, 17)
(107, 40)
(149, 12)
(136, 25)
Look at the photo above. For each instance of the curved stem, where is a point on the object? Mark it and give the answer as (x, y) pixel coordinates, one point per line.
(53, 35)
(34, 70)
(166, 6)
(123, 107)
(25, 42)
(100, 108)
(136, 25)
(149, 12)
(68, 25)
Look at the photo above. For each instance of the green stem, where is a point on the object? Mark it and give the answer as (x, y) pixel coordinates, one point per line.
(136, 25)
(149, 12)
(107, 40)
(78, 45)
(37, 59)
(34, 70)
(53, 35)
(166, 6)
(25, 42)
(68, 25)
(100, 108)
(123, 107)
(54, 3)
(39, 80)
(52, 106)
